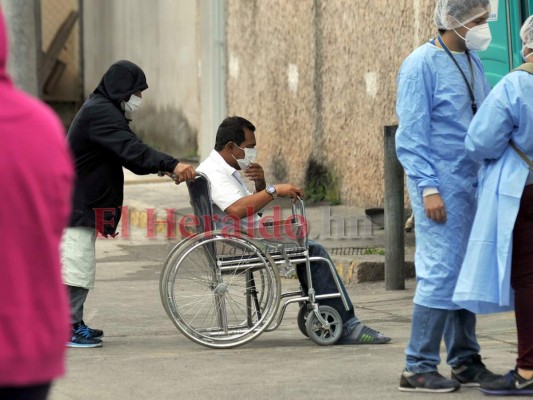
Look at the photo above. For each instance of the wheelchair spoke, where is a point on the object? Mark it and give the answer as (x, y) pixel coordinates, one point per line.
(197, 281)
(235, 305)
(192, 304)
(212, 261)
(204, 303)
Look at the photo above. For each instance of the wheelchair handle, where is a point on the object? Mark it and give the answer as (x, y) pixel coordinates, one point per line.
(170, 175)
(300, 207)
(174, 176)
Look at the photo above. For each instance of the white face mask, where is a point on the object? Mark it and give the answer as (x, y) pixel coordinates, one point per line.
(523, 56)
(249, 157)
(133, 104)
(477, 38)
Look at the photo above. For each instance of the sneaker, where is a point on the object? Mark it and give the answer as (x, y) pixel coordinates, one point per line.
(507, 385)
(472, 374)
(81, 338)
(95, 333)
(363, 334)
(431, 382)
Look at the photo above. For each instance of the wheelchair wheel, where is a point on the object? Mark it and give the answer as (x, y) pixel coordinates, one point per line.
(167, 267)
(220, 291)
(303, 313)
(318, 333)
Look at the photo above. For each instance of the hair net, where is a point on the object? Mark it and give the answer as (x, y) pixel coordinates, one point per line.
(526, 33)
(451, 14)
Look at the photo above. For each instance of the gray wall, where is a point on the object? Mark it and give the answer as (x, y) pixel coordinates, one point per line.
(161, 37)
(318, 78)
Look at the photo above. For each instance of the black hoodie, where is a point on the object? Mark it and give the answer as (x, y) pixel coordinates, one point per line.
(102, 143)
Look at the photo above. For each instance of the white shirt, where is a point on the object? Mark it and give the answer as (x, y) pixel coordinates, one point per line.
(226, 186)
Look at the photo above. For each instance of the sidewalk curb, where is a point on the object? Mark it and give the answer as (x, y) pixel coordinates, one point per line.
(358, 271)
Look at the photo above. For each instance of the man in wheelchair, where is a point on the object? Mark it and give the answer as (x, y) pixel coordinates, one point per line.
(235, 150)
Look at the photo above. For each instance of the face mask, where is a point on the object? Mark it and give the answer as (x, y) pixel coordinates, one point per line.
(133, 104)
(477, 38)
(523, 56)
(249, 157)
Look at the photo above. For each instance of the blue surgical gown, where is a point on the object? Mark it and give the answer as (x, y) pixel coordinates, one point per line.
(434, 110)
(506, 115)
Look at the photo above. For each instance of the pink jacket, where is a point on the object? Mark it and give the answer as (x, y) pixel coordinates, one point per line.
(36, 176)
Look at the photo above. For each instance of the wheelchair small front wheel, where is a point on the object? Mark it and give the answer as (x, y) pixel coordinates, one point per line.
(324, 335)
(303, 313)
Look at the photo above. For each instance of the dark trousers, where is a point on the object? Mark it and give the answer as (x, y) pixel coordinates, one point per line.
(77, 297)
(35, 392)
(323, 281)
(522, 279)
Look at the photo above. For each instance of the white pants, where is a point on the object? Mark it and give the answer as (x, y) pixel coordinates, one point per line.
(78, 257)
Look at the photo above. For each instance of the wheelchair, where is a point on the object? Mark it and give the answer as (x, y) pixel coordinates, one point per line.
(222, 289)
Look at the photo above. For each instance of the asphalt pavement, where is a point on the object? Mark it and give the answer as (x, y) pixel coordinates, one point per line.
(145, 357)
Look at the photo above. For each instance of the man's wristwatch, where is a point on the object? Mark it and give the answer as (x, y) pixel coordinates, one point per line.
(271, 190)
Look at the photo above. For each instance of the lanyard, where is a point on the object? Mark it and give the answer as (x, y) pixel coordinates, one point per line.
(522, 155)
(469, 85)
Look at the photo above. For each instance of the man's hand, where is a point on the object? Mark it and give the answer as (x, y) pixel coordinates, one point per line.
(183, 172)
(255, 173)
(288, 190)
(435, 208)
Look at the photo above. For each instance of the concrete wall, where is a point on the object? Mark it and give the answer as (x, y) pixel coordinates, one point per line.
(23, 22)
(160, 36)
(53, 14)
(318, 78)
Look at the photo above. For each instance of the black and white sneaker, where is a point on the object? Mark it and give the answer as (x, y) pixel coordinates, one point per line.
(431, 382)
(472, 374)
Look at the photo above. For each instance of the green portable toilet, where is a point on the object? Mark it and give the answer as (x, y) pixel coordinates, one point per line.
(503, 54)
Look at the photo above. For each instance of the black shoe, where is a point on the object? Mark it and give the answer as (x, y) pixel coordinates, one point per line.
(94, 333)
(81, 338)
(472, 374)
(431, 382)
(508, 385)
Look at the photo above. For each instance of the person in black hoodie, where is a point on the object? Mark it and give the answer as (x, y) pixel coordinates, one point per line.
(102, 142)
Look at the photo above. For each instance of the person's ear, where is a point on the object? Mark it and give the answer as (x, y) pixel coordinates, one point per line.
(462, 31)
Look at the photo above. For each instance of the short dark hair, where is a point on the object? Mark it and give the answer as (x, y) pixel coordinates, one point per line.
(232, 130)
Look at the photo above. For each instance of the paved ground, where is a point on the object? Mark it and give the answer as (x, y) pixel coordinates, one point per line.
(145, 357)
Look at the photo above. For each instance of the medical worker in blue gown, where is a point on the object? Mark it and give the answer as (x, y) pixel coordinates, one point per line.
(500, 250)
(440, 86)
